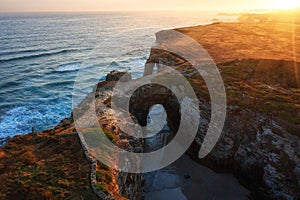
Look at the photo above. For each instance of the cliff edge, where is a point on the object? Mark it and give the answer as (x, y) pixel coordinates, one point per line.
(260, 65)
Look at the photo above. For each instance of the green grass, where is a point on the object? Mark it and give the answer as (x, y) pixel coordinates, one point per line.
(249, 88)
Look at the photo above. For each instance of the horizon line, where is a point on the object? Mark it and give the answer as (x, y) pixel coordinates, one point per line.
(141, 10)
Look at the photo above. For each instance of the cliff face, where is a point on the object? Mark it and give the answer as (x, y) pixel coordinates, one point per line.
(106, 182)
(260, 140)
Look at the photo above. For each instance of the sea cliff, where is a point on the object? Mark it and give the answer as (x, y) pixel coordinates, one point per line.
(259, 145)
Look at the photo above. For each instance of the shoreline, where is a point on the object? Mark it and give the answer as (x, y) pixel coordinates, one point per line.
(3, 140)
(257, 148)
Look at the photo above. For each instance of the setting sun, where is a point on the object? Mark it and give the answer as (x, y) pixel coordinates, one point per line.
(286, 4)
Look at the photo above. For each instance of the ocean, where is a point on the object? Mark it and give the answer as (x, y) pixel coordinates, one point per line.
(41, 53)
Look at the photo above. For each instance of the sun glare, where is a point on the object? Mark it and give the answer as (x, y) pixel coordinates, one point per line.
(286, 4)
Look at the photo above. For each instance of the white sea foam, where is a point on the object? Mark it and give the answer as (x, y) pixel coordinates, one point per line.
(68, 68)
(21, 119)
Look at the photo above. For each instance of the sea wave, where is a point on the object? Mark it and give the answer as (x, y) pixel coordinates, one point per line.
(21, 119)
(71, 67)
(129, 62)
(10, 84)
(27, 57)
(53, 85)
(8, 53)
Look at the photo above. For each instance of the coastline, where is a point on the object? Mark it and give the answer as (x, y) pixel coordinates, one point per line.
(237, 150)
(43, 110)
(71, 68)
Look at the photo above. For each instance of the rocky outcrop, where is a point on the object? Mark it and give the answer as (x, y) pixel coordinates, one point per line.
(123, 185)
(259, 143)
(258, 151)
(255, 147)
(116, 76)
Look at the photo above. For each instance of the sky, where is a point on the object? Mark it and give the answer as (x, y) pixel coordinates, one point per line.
(107, 5)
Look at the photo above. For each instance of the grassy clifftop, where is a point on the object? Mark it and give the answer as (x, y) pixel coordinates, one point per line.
(259, 63)
(44, 166)
(226, 42)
